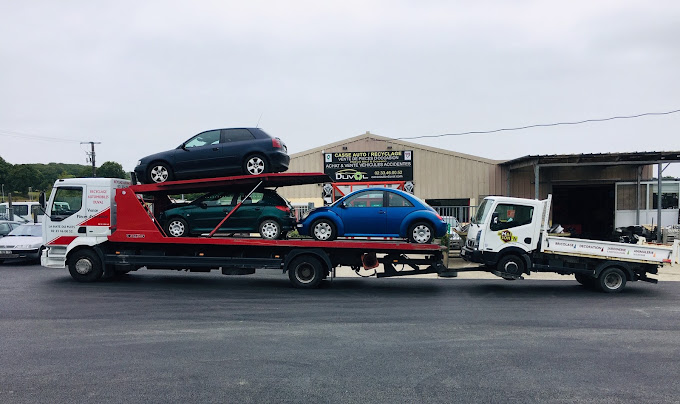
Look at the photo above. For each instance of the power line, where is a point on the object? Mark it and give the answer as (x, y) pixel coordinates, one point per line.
(542, 125)
(36, 137)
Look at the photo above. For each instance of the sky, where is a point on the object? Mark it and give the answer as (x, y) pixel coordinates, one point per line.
(143, 76)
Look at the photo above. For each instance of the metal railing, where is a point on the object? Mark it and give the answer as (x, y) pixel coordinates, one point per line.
(461, 213)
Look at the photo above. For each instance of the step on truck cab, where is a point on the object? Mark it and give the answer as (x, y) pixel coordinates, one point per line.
(509, 237)
(104, 227)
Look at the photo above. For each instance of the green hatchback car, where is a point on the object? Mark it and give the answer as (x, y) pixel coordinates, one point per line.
(264, 212)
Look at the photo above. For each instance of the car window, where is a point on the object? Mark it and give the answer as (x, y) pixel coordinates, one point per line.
(21, 210)
(216, 199)
(511, 215)
(27, 230)
(4, 228)
(368, 199)
(225, 200)
(235, 135)
(255, 197)
(203, 139)
(395, 200)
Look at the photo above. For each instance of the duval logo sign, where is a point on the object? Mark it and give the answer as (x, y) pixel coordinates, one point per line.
(350, 175)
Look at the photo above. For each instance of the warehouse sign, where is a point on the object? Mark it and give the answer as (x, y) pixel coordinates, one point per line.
(372, 166)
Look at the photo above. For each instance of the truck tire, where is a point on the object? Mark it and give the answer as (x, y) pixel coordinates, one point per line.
(420, 233)
(306, 272)
(612, 280)
(177, 227)
(585, 280)
(85, 266)
(323, 230)
(270, 229)
(511, 264)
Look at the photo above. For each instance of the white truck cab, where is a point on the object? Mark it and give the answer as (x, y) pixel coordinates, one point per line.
(505, 225)
(80, 211)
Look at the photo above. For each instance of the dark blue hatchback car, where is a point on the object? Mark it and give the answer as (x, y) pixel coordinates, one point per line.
(381, 212)
(216, 153)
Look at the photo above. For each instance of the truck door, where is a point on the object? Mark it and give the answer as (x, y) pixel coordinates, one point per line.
(64, 215)
(511, 224)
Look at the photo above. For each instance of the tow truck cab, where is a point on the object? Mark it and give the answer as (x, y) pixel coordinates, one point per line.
(504, 225)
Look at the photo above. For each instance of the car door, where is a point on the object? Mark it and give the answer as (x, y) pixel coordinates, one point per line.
(364, 213)
(201, 153)
(208, 212)
(398, 208)
(237, 144)
(247, 217)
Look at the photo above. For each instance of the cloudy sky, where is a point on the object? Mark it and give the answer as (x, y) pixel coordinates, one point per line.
(143, 76)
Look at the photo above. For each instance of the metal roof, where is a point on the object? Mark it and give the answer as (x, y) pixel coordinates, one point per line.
(612, 159)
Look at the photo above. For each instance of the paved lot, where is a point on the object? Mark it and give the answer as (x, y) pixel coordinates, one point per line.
(161, 336)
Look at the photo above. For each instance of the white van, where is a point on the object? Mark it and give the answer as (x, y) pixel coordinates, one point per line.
(23, 211)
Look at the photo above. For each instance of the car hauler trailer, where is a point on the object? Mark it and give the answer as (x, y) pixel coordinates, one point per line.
(509, 237)
(100, 227)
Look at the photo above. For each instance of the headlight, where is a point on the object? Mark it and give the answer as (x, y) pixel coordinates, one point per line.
(28, 246)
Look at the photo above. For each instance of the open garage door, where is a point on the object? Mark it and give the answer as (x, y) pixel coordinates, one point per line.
(586, 211)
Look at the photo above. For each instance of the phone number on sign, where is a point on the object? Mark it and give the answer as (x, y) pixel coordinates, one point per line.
(392, 172)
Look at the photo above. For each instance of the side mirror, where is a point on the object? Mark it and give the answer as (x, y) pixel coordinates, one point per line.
(41, 200)
(343, 204)
(495, 223)
(203, 205)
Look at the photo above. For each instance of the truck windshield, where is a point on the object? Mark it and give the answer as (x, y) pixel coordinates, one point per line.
(482, 212)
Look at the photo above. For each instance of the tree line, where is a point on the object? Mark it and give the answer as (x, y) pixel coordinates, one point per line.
(19, 179)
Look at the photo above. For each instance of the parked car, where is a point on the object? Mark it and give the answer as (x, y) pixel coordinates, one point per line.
(380, 212)
(7, 226)
(264, 212)
(453, 226)
(24, 242)
(216, 153)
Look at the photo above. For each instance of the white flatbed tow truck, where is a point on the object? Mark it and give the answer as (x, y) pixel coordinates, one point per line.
(509, 237)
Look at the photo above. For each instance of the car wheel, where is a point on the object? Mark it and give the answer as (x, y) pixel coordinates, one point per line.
(421, 233)
(270, 229)
(85, 266)
(324, 230)
(159, 172)
(255, 165)
(177, 227)
(511, 264)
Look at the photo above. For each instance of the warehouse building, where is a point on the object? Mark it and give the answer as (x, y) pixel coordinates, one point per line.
(592, 193)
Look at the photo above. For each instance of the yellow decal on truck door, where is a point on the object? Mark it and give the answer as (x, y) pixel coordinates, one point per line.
(506, 236)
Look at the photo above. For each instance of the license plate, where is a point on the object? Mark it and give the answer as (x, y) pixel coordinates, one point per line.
(5, 252)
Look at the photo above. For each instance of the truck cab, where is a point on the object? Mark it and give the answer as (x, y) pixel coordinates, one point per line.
(80, 209)
(505, 231)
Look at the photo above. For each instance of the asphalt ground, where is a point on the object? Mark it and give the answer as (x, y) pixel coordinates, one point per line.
(163, 336)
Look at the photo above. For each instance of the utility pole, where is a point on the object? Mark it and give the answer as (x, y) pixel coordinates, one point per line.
(90, 156)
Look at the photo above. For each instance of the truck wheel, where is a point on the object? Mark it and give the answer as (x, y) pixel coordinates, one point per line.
(511, 264)
(324, 230)
(254, 165)
(177, 227)
(159, 172)
(85, 266)
(585, 280)
(420, 233)
(612, 280)
(270, 229)
(305, 272)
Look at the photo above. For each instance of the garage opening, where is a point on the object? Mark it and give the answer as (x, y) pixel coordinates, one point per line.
(585, 211)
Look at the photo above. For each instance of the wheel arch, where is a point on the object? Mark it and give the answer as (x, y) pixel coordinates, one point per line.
(526, 258)
(624, 266)
(334, 218)
(414, 217)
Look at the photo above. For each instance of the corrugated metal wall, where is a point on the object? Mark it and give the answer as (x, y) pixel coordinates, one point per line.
(437, 173)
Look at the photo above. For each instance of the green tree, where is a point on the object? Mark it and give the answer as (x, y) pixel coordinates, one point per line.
(111, 169)
(23, 176)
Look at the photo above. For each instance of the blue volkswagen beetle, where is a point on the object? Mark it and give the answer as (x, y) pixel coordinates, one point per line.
(380, 212)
